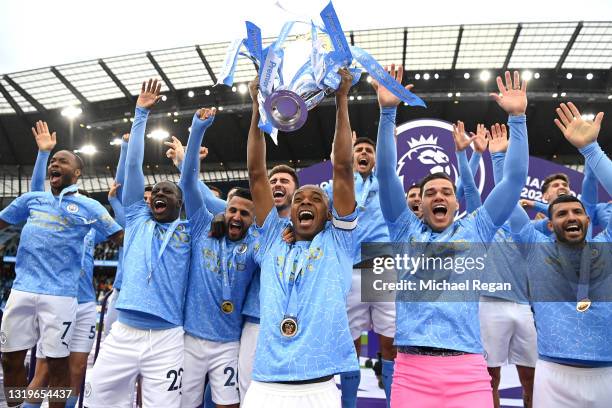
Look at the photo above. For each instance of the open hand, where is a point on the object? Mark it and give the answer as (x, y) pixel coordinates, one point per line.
(577, 131)
(512, 96)
(480, 138)
(461, 141)
(149, 94)
(498, 139)
(46, 141)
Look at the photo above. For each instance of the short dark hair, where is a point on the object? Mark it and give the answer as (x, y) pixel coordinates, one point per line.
(217, 189)
(412, 187)
(231, 192)
(178, 187)
(79, 160)
(242, 193)
(148, 188)
(283, 168)
(565, 198)
(557, 176)
(364, 139)
(435, 176)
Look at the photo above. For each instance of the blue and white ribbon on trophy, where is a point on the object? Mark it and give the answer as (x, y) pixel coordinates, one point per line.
(284, 104)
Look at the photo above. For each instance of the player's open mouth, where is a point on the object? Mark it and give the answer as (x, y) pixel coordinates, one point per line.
(235, 227)
(362, 163)
(439, 211)
(159, 206)
(278, 195)
(573, 229)
(54, 176)
(415, 207)
(305, 218)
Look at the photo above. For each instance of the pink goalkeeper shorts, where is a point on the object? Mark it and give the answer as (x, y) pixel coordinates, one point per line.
(441, 382)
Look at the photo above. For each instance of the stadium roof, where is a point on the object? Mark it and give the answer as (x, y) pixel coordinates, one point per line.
(568, 61)
(559, 46)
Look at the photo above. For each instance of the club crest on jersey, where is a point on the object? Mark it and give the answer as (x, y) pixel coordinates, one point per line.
(242, 248)
(72, 208)
(2, 338)
(87, 389)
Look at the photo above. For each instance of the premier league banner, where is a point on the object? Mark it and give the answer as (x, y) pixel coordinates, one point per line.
(426, 146)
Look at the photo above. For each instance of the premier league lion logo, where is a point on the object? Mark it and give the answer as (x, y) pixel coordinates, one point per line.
(426, 146)
(429, 154)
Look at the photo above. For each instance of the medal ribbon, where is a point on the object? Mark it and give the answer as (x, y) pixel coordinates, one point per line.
(148, 249)
(584, 274)
(295, 261)
(225, 273)
(365, 191)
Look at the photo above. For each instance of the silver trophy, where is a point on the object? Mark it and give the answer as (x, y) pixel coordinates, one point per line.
(296, 72)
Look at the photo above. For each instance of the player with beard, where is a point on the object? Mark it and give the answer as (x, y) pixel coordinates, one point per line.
(363, 316)
(42, 304)
(413, 200)
(85, 322)
(220, 274)
(147, 338)
(432, 367)
(304, 338)
(574, 367)
(553, 186)
(283, 181)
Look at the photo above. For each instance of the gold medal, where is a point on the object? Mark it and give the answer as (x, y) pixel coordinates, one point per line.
(289, 327)
(227, 307)
(583, 305)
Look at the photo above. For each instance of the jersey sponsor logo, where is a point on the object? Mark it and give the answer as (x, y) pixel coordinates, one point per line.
(72, 208)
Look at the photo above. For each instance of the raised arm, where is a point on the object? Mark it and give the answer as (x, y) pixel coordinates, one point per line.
(480, 145)
(583, 135)
(392, 202)
(45, 141)
(116, 204)
(120, 176)
(498, 144)
(589, 192)
(176, 152)
(202, 119)
(503, 198)
(472, 196)
(134, 176)
(344, 183)
(256, 162)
